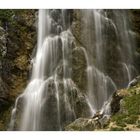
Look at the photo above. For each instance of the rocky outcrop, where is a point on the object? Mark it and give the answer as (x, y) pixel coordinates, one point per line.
(125, 114)
(83, 124)
(3, 86)
(3, 95)
(88, 124)
(17, 40)
(72, 104)
(128, 116)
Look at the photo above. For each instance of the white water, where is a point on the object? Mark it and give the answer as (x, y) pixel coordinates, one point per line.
(101, 84)
(46, 107)
(51, 48)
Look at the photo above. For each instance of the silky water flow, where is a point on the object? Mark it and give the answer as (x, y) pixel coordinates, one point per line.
(41, 103)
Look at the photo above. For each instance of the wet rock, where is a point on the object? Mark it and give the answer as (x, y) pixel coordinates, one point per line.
(97, 115)
(67, 17)
(55, 14)
(134, 82)
(62, 104)
(3, 89)
(4, 101)
(79, 68)
(115, 103)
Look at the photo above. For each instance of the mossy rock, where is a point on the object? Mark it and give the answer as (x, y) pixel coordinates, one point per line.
(116, 129)
(129, 109)
(83, 124)
(5, 119)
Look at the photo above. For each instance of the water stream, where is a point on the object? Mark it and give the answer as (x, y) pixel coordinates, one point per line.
(46, 107)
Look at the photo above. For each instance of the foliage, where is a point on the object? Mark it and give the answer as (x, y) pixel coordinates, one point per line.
(131, 109)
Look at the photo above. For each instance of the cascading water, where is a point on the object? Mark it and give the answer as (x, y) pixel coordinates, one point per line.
(53, 46)
(101, 83)
(49, 100)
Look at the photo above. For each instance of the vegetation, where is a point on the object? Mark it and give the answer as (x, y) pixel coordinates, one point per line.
(130, 109)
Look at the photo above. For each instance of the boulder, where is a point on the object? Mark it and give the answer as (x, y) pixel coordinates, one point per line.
(88, 124)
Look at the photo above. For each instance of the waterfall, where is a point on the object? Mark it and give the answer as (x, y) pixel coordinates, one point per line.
(53, 45)
(101, 82)
(49, 100)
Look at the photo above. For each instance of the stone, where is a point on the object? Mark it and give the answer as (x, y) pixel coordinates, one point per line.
(115, 103)
(97, 122)
(134, 82)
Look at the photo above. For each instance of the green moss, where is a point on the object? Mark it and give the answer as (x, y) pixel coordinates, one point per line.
(131, 109)
(6, 15)
(116, 129)
(119, 119)
(122, 124)
(132, 104)
(131, 119)
(123, 119)
(5, 119)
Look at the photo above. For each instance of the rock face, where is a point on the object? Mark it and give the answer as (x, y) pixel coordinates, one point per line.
(3, 95)
(121, 118)
(17, 40)
(115, 103)
(70, 104)
(3, 51)
(125, 114)
(135, 33)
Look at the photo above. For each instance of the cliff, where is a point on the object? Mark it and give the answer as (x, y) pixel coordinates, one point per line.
(18, 39)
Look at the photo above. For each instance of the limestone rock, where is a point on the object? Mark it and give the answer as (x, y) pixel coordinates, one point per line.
(88, 124)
